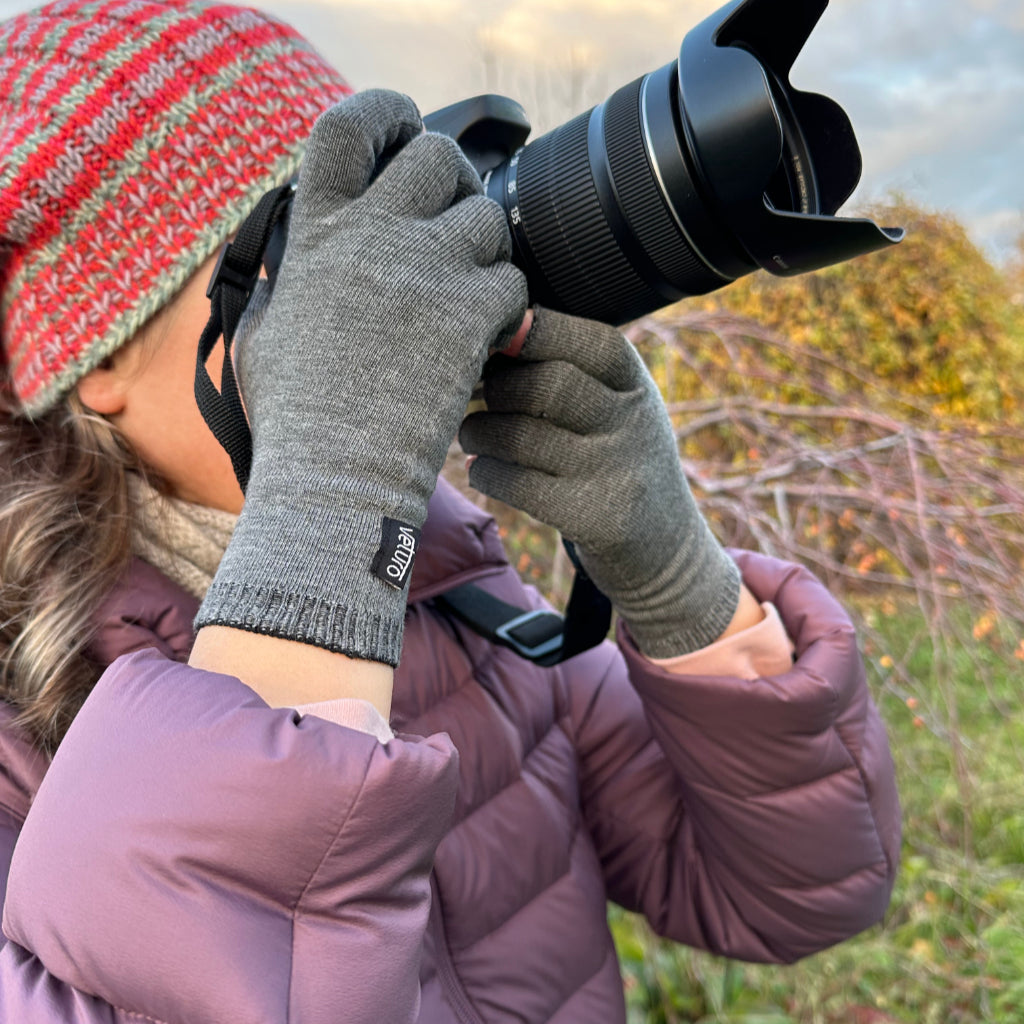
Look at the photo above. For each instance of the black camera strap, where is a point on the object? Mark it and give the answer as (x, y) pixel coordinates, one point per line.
(259, 243)
(539, 636)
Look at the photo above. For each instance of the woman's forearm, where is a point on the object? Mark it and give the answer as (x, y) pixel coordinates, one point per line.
(286, 673)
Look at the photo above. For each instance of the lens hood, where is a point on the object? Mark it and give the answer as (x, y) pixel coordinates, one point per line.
(773, 163)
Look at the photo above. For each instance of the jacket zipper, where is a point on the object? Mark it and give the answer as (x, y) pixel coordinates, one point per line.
(451, 983)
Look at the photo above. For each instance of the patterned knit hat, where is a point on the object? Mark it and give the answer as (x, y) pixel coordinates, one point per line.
(135, 137)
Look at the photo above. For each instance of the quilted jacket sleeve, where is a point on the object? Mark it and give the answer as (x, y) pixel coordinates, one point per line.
(9, 829)
(754, 818)
(195, 857)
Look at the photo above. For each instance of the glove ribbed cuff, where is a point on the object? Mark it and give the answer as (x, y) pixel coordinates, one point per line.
(309, 578)
(687, 605)
(357, 632)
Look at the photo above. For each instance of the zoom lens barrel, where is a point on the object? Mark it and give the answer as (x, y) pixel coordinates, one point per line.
(591, 222)
(681, 181)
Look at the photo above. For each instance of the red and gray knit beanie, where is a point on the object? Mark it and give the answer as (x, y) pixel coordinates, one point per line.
(135, 137)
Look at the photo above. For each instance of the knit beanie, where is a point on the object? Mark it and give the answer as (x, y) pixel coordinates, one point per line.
(135, 137)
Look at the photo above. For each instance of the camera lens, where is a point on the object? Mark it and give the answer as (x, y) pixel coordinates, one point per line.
(689, 177)
(591, 223)
(682, 181)
(607, 215)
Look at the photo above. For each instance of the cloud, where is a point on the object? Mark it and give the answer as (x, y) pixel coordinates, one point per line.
(937, 94)
(398, 12)
(1006, 226)
(531, 28)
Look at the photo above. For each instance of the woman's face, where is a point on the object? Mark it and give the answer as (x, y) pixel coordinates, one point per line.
(146, 390)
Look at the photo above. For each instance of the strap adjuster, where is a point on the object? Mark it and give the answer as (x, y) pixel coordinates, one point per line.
(541, 646)
(225, 273)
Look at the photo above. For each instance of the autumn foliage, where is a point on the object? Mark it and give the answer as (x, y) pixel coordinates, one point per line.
(931, 319)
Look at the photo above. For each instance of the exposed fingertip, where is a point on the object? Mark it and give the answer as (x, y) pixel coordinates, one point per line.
(515, 346)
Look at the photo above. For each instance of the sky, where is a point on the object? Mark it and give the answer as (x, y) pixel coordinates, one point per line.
(934, 88)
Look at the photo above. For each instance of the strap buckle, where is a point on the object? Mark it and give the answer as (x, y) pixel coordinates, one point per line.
(226, 273)
(531, 643)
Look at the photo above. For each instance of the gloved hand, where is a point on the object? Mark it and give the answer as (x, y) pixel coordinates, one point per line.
(577, 435)
(355, 374)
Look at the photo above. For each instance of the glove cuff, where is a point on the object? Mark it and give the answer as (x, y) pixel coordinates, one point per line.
(311, 578)
(687, 605)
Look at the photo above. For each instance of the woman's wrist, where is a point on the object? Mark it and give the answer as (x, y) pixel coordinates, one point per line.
(286, 673)
(748, 613)
(760, 649)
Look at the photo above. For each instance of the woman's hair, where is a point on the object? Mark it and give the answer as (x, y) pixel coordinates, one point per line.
(65, 539)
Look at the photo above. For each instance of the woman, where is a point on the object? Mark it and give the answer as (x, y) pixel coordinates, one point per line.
(250, 774)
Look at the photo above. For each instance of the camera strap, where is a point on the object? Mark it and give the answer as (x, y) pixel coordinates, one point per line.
(259, 243)
(542, 637)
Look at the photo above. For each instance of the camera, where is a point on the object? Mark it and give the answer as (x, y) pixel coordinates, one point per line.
(682, 181)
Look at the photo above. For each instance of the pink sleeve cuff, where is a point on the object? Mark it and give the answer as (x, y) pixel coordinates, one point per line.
(352, 713)
(760, 650)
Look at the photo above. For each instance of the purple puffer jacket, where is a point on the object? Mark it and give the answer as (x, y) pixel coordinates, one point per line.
(194, 857)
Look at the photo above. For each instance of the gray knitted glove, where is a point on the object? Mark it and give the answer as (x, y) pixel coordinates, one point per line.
(577, 435)
(355, 374)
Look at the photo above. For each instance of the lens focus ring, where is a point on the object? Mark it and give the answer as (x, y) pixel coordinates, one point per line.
(641, 199)
(582, 268)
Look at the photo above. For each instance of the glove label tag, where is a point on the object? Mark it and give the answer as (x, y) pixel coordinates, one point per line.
(393, 562)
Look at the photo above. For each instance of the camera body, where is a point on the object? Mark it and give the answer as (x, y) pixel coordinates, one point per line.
(682, 181)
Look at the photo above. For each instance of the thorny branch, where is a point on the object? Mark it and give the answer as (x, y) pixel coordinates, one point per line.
(796, 455)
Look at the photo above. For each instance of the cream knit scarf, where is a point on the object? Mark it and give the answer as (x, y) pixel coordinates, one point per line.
(184, 541)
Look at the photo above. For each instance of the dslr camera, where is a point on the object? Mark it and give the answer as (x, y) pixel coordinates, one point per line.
(682, 181)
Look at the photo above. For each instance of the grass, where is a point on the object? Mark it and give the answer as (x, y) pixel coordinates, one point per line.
(951, 949)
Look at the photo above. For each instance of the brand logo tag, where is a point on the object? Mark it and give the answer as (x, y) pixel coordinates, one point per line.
(393, 562)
